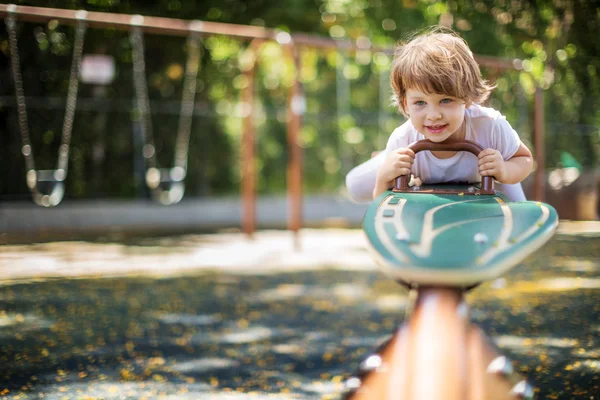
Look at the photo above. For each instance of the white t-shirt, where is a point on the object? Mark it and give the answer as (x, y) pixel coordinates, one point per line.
(485, 126)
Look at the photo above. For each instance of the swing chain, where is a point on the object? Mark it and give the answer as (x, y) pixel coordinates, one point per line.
(186, 111)
(71, 102)
(63, 159)
(20, 95)
(142, 100)
(187, 101)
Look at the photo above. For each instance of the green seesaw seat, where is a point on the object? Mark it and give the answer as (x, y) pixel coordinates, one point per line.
(453, 235)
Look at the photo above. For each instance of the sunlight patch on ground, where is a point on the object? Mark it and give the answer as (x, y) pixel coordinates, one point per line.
(323, 387)
(587, 353)
(521, 342)
(23, 322)
(285, 292)
(294, 291)
(589, 365)
(560, 284)
(593, 365)
(275, 249)
(120, 390)
(392, 302)
(250, 396)
(363, 341)
(579, 228)
(204, 365)
(577, 264)
(316, 388)
(309, 343)
(189, 319)
(289, 348)
(270, 252)
(350, 290)
(241, 336)
(320, 336)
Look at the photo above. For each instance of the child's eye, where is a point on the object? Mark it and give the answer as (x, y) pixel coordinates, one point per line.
(419, 103)
(446, 101)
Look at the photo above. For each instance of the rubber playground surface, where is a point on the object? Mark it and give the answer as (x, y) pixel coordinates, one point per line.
(224, 317)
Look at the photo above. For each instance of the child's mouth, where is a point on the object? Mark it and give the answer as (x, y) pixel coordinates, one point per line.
(436, 128)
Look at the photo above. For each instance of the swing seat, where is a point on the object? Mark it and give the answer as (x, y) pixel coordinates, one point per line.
(453, 235)
(48, 186)
(166, 184)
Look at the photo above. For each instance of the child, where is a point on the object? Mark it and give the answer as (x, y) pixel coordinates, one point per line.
(438, 86)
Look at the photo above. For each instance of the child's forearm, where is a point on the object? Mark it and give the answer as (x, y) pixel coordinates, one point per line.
(517, 169)
(380, 187)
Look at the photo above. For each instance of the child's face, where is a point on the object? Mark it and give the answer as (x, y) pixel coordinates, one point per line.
(436, 116)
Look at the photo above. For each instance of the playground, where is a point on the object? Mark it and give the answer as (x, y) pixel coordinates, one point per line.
(188, 233)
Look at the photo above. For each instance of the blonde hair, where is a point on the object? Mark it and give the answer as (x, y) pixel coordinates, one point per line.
(437, 61)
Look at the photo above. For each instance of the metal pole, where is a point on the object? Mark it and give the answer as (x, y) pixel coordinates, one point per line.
(248, 183)
(538, 131)
(295, 108)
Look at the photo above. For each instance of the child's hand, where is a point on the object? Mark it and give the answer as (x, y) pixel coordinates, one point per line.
(398, 162)
(491, 163)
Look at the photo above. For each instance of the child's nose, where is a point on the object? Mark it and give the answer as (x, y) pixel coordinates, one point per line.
(434, 115)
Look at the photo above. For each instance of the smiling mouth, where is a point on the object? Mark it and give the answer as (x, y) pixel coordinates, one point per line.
(436, 128)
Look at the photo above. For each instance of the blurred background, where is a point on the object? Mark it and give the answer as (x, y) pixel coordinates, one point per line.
(110, 287)
(346, 92)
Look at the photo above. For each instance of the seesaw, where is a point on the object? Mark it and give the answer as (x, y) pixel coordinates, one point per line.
(440, 241)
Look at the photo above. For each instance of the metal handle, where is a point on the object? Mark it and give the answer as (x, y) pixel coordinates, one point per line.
(487, 182)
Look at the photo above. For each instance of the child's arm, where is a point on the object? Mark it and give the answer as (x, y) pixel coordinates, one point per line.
(360, 181)
(513, 170)
(398, 162)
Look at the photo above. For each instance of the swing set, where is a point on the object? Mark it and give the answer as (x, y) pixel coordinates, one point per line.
(167, 185)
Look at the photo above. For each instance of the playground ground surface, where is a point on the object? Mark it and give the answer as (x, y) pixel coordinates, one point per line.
(221, 316)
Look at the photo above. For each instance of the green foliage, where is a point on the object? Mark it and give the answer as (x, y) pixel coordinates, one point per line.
(348, 106)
